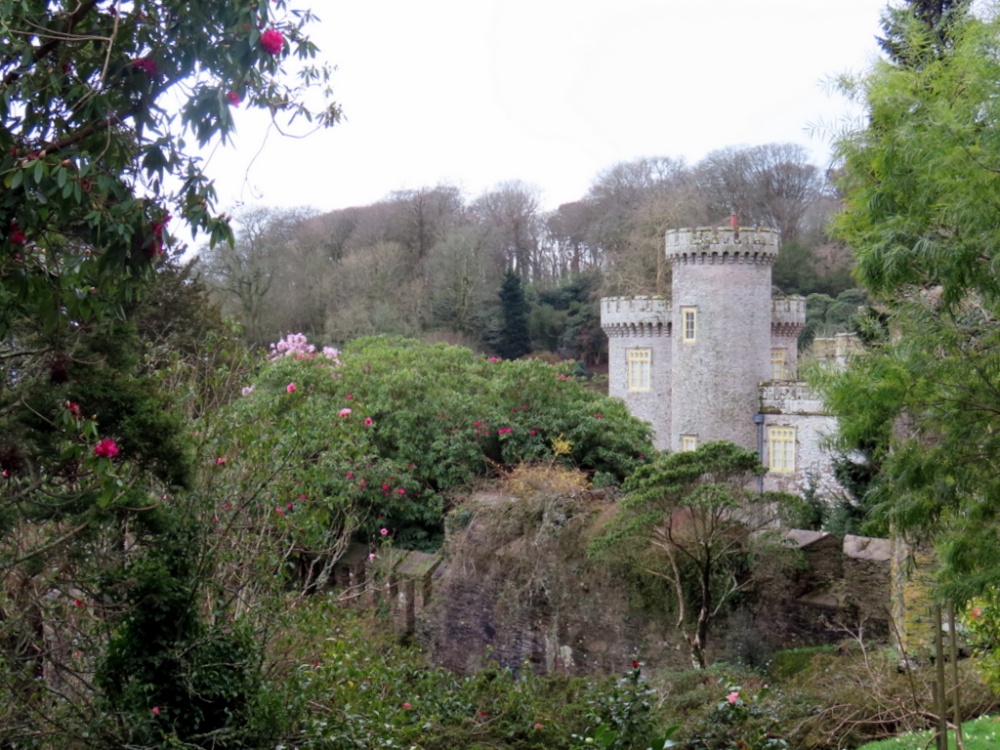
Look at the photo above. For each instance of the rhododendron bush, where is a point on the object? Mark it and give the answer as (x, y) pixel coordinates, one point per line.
(102, 554)
(387, 436)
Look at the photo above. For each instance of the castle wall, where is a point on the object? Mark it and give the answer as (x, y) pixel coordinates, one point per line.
(633, 323)
(788, 318)
(724, 276)
(797, 406)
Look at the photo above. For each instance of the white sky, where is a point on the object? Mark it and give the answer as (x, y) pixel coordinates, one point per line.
(550, 92)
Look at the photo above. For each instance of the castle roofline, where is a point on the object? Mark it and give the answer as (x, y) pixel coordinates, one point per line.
(723, 244)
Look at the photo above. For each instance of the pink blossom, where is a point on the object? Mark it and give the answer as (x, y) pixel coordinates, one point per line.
(290, 388)
(733, 697)
(247, 390)
(220, 460)
(532, 432)
(77, 603)
(106, 448)
(383, 531)
(234, 98)
(350, 475)
(368, 422)
(401, 491)
(344, 412)
(406, 705)
(598, 416)
(272, 41)
(371, 556)
(16, 236)
(146, 64)
(539, 726)
(73, 408)
(156, 710)
(349, 396)
(976, 613)
(385, 486)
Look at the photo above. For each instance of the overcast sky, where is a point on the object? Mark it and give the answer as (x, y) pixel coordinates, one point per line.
(550, 92)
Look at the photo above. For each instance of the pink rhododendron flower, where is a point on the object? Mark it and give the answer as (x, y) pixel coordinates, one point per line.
(156, 710)
(406, 705)
(385, 486)
(733, 697)
(16, 236)
(73, 408)
(538, 726)
(272, 41)
(635, 664)
(349, 396)
(368, 422)
(383, 531)
(146, 64)
(401, 491)
(220, 460)
(371, 555)
(976, 613)
(350, 475)
(344, 412)
(290, 388)
(106, 448)
(77, 603)
(234, 98)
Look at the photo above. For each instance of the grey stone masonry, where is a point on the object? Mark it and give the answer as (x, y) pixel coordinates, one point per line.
(723, 278)
(788, 318)
(640, 324)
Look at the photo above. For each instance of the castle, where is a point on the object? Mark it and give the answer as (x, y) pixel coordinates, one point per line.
(719, 359)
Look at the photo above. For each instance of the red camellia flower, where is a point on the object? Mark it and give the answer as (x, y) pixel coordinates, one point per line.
(16, 236)
(635, 665)
(272, 41)
(106, 448)
(233, 98)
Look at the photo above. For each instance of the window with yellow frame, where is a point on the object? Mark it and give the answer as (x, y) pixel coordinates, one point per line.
(781, 449)
(689, 324)
(778, 371)
(639, 362)
(689, 443)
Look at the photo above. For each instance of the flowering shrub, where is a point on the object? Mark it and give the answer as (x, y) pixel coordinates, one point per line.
(379, 437)
(982, 623)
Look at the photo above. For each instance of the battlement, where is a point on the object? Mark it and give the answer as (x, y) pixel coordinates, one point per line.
(723, 245)
(788, 315)
(635, 316)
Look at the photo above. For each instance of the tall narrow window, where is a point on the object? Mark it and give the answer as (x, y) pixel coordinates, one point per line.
(689, 442)
(778, 371)
(639, 362)
(689, 324)
(781, 449)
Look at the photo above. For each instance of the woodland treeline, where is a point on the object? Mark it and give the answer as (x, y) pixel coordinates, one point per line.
(431, 262)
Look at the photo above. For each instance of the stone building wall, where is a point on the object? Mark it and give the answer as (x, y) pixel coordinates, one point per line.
(867, 568)
(798, 406)
(724, 276)
(640, 323)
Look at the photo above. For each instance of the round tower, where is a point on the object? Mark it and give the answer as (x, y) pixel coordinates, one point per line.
(721, 343)
(638, 331)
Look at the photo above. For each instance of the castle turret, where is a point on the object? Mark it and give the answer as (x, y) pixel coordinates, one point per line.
(721, 343)
(638, 331)
(788, 318)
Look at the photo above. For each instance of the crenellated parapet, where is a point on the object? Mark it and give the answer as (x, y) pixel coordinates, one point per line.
(635, 316)
(722, 245)
(788, 316)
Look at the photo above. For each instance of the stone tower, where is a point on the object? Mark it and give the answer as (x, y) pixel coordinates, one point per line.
(721, 342)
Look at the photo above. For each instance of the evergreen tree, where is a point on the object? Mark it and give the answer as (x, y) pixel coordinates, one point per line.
(514, 339)
(922, 187)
